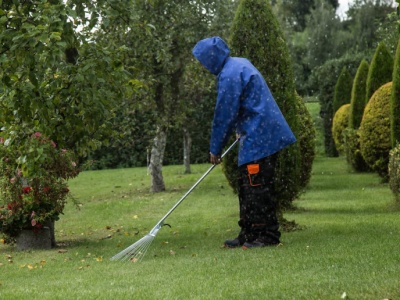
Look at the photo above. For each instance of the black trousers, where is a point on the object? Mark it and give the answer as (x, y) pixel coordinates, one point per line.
(258, 217)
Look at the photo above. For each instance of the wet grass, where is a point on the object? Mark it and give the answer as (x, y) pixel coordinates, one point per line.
(349, 244)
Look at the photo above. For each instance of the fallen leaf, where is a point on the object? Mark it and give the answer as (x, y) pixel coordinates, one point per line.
(134, 260)
(99, 259)
(62, 251)
(171, 252)
(1, 264)
(344, 295)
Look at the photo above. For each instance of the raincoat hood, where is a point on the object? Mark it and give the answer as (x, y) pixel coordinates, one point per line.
(212, 53)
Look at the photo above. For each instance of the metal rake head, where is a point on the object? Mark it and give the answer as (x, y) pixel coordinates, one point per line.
(136, 251)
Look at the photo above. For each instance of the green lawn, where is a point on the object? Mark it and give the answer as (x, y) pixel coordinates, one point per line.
(350, 243)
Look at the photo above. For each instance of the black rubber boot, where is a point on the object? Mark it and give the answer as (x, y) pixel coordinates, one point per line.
(236, 242)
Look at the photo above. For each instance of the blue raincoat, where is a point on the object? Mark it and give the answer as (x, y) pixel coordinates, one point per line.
(244, 103)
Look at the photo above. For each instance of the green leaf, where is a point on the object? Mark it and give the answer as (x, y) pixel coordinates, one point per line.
(55, 36)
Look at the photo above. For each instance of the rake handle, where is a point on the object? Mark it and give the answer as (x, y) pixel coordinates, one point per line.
(160, 223)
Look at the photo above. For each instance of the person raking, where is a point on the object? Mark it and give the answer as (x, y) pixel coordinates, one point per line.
(245, 104)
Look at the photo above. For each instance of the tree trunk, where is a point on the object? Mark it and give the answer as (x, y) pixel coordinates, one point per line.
(187, 144)
(156, 161)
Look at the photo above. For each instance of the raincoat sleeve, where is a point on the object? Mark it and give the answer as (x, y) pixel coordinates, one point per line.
(226, 111)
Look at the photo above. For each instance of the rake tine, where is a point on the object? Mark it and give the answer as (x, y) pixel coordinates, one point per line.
(137, 251)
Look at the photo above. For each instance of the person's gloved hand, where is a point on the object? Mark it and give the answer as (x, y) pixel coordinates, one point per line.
(215, 159)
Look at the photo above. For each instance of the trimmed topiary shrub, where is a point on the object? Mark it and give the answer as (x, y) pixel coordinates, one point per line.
(306, 140)
(374, 131)
(358, 102)
(394, 156)
(380, 70)
(395, 101)
(354, 158)
(257, 36)
(339, 124)
(343, 89)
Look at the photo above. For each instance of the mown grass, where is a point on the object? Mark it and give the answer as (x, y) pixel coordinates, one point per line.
(349, 244)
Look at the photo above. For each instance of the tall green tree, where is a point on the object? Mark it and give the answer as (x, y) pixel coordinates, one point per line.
(322, 39)
(363, 20)
(380, 71)
(161, 54)
(256, 35)
(356, 111)
(358, 95)
(395, 101)
(343, 89)
(54, 79)
(322, 28)
(294, 13)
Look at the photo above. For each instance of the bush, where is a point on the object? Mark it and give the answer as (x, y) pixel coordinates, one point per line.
(354, 158)
(374, 131)
(339, 124)
(32, 199)
(394, 172)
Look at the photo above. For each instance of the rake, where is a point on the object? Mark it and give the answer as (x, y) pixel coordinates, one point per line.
(137, 251)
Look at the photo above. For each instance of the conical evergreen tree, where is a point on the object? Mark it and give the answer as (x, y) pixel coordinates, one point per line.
(358, 95)
(257, 36)
(394, 159)
(395, 101)
(343, 89)
(380, 70)
(357, 105)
